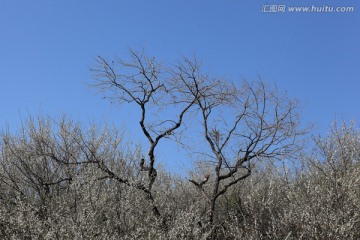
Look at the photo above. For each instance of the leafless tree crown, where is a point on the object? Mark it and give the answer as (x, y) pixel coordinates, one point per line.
(242, 123)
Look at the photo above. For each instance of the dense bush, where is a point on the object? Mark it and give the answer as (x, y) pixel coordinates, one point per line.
(56, 183)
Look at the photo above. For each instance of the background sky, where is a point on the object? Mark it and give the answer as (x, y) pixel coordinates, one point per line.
(47, 48)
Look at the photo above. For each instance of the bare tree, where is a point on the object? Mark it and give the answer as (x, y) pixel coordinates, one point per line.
(153, 89)
(241, 123)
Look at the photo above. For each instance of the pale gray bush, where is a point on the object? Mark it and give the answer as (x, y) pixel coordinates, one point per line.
(41, 197)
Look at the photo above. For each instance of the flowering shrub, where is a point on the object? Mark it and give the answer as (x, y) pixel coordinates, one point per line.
(56, 183)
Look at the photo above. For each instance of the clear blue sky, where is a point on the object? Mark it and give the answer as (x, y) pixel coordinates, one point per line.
(47, 47)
